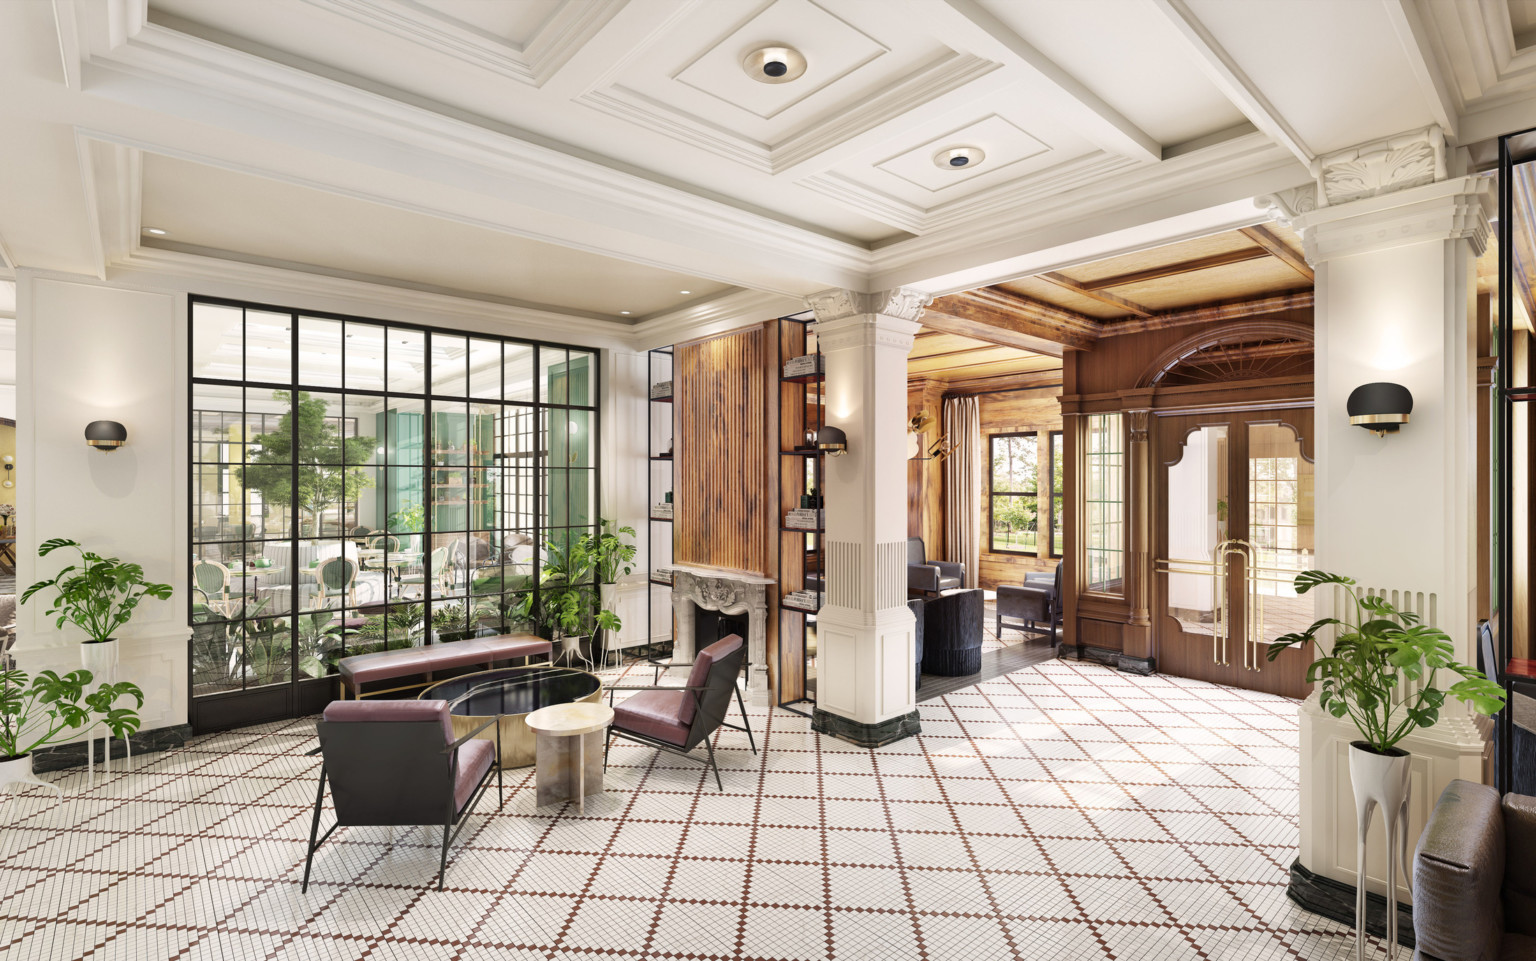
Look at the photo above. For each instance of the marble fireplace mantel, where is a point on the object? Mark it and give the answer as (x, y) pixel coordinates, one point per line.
(729, 592)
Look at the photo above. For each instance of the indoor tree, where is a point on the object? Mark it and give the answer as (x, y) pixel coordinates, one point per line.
(307, 437)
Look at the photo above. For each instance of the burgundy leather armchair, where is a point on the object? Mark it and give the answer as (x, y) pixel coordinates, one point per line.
(677, 719)
(397, 762)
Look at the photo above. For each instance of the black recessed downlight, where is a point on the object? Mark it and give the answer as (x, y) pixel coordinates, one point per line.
(774, 63)
(775, 68)
(959, 161)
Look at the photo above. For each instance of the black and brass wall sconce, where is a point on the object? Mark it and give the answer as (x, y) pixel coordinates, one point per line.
(1380, 408)
(106, 435)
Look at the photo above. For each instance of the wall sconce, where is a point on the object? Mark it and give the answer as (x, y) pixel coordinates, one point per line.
(831, 440)
(106, 435)
(1380, 408)
(10, 465)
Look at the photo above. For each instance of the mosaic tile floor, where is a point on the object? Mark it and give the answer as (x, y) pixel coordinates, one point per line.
(1062, 811)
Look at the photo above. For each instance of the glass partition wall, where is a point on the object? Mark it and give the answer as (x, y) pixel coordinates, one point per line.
(360, 485)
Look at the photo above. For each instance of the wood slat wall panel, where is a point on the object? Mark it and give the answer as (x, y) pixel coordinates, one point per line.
(724, 513)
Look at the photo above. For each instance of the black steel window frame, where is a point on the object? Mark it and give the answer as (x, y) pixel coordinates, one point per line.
(993, 493)
(297, 704)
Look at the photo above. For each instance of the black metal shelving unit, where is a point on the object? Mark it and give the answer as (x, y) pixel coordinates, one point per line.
(794, 621)
(660, 476)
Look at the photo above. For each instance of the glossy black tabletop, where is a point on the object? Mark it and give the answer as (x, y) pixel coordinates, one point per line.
(513, 690)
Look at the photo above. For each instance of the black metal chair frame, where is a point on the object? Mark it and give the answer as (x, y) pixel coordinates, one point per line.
(697, 732)
(1026, 625)
(452, 818)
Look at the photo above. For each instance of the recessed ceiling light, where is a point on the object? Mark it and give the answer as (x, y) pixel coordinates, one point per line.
(624, 312)
(156, 231)
(957, 158)
(685, 291)
(774, 63)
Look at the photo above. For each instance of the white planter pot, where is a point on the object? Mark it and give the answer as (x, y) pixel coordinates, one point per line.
(101, 660)
(18, 770)
(1380, 780)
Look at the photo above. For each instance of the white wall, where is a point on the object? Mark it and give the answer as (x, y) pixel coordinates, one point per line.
(91, 352)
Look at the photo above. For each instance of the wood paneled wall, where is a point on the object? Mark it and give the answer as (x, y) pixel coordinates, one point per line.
(725, 504)
(1014, 412)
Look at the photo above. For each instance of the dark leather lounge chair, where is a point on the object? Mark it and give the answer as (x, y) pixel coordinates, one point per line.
(1026, 609)
(931, 577)
(677, 719)
(397, 762)
(1474, 896)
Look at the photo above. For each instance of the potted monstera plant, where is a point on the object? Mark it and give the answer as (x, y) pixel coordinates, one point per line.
(98, 595)
(1383, 673)
(48, 708)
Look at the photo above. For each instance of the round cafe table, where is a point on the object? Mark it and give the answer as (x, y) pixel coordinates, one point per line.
(569, 751)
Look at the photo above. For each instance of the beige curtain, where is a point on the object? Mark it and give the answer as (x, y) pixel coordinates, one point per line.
(962, 486)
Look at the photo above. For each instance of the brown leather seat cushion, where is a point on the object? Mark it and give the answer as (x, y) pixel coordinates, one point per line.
(655, 714)
(474, 760)
(383, 665)
(1458, 870)
(393, 711)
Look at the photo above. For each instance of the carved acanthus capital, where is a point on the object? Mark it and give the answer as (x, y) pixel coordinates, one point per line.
(904, 303)
(1285, 206)
(1381, 166)
(1139, 422)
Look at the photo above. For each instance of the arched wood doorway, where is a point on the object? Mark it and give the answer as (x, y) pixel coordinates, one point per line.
(1232, 503)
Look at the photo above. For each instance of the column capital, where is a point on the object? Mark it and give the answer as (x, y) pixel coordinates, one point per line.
(905, 303)
(1454, 209)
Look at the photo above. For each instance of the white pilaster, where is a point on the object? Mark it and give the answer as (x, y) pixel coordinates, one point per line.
(1394, 290)
(867, 678)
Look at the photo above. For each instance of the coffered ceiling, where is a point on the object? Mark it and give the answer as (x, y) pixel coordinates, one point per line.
(593, 156)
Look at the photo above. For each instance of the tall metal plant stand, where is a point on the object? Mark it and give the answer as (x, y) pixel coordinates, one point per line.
(1380, 780)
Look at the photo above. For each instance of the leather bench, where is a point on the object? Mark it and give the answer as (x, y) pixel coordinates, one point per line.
(360, 669)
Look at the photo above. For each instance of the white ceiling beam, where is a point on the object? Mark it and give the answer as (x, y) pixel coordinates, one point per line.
(68, 31)
(626, 35)
(1413, 34)
(553, 196)
(1222, 70)
(968, 25)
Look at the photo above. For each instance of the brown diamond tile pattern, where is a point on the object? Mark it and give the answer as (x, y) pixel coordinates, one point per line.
(1062, 811)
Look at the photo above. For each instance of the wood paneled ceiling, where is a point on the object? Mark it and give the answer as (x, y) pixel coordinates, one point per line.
(1237, 265)
(958, 361)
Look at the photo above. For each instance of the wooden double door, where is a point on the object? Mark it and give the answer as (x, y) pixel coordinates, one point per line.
(1233, 512)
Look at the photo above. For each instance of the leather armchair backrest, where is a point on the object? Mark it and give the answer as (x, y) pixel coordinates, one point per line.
(1458, 870)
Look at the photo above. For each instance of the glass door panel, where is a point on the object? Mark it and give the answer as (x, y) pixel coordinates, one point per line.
(1197, 507)
(1280, 524)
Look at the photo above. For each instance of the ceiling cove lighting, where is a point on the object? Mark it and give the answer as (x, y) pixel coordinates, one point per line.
(775, 63)
(959, 158)
(1380, 408)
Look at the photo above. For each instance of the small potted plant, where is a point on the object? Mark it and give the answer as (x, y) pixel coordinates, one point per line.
(98, 595)
(1382, 673)
(47, 709)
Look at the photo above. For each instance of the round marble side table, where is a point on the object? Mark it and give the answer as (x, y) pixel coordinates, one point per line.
(569, 751)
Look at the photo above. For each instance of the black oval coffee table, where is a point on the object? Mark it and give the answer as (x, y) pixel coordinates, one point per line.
(513, 693)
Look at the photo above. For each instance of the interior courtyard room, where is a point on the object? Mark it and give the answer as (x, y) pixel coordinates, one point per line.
(767, 479)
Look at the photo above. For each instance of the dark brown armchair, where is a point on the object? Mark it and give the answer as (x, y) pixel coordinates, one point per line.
(398, 763)
(1026, 609)
(676, 719)
(931, 577)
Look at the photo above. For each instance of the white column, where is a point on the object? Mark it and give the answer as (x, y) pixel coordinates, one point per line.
(1395, 286)
(866, 681)
(625, 407)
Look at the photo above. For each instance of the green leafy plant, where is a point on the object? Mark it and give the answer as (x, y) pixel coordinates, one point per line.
(47, 708)
(97, 594)
(319, 637)
(408, 520)
(307, 436)
(1377, 650)
(610, 556)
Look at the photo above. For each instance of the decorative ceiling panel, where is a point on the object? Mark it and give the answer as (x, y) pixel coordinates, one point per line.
(1003, 143)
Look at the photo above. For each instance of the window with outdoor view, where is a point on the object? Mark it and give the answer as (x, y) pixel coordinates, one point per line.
(360, 485)
(1014, 500)
(1104, 503)
(1058, 521)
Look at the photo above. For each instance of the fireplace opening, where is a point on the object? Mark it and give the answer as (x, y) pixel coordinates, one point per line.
(711, 626)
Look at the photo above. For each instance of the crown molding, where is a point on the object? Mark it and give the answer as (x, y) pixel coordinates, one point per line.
(363, 126)
(156, 268)
(740, 308)
(1454, 209)
(572, 24)
(112, 183)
